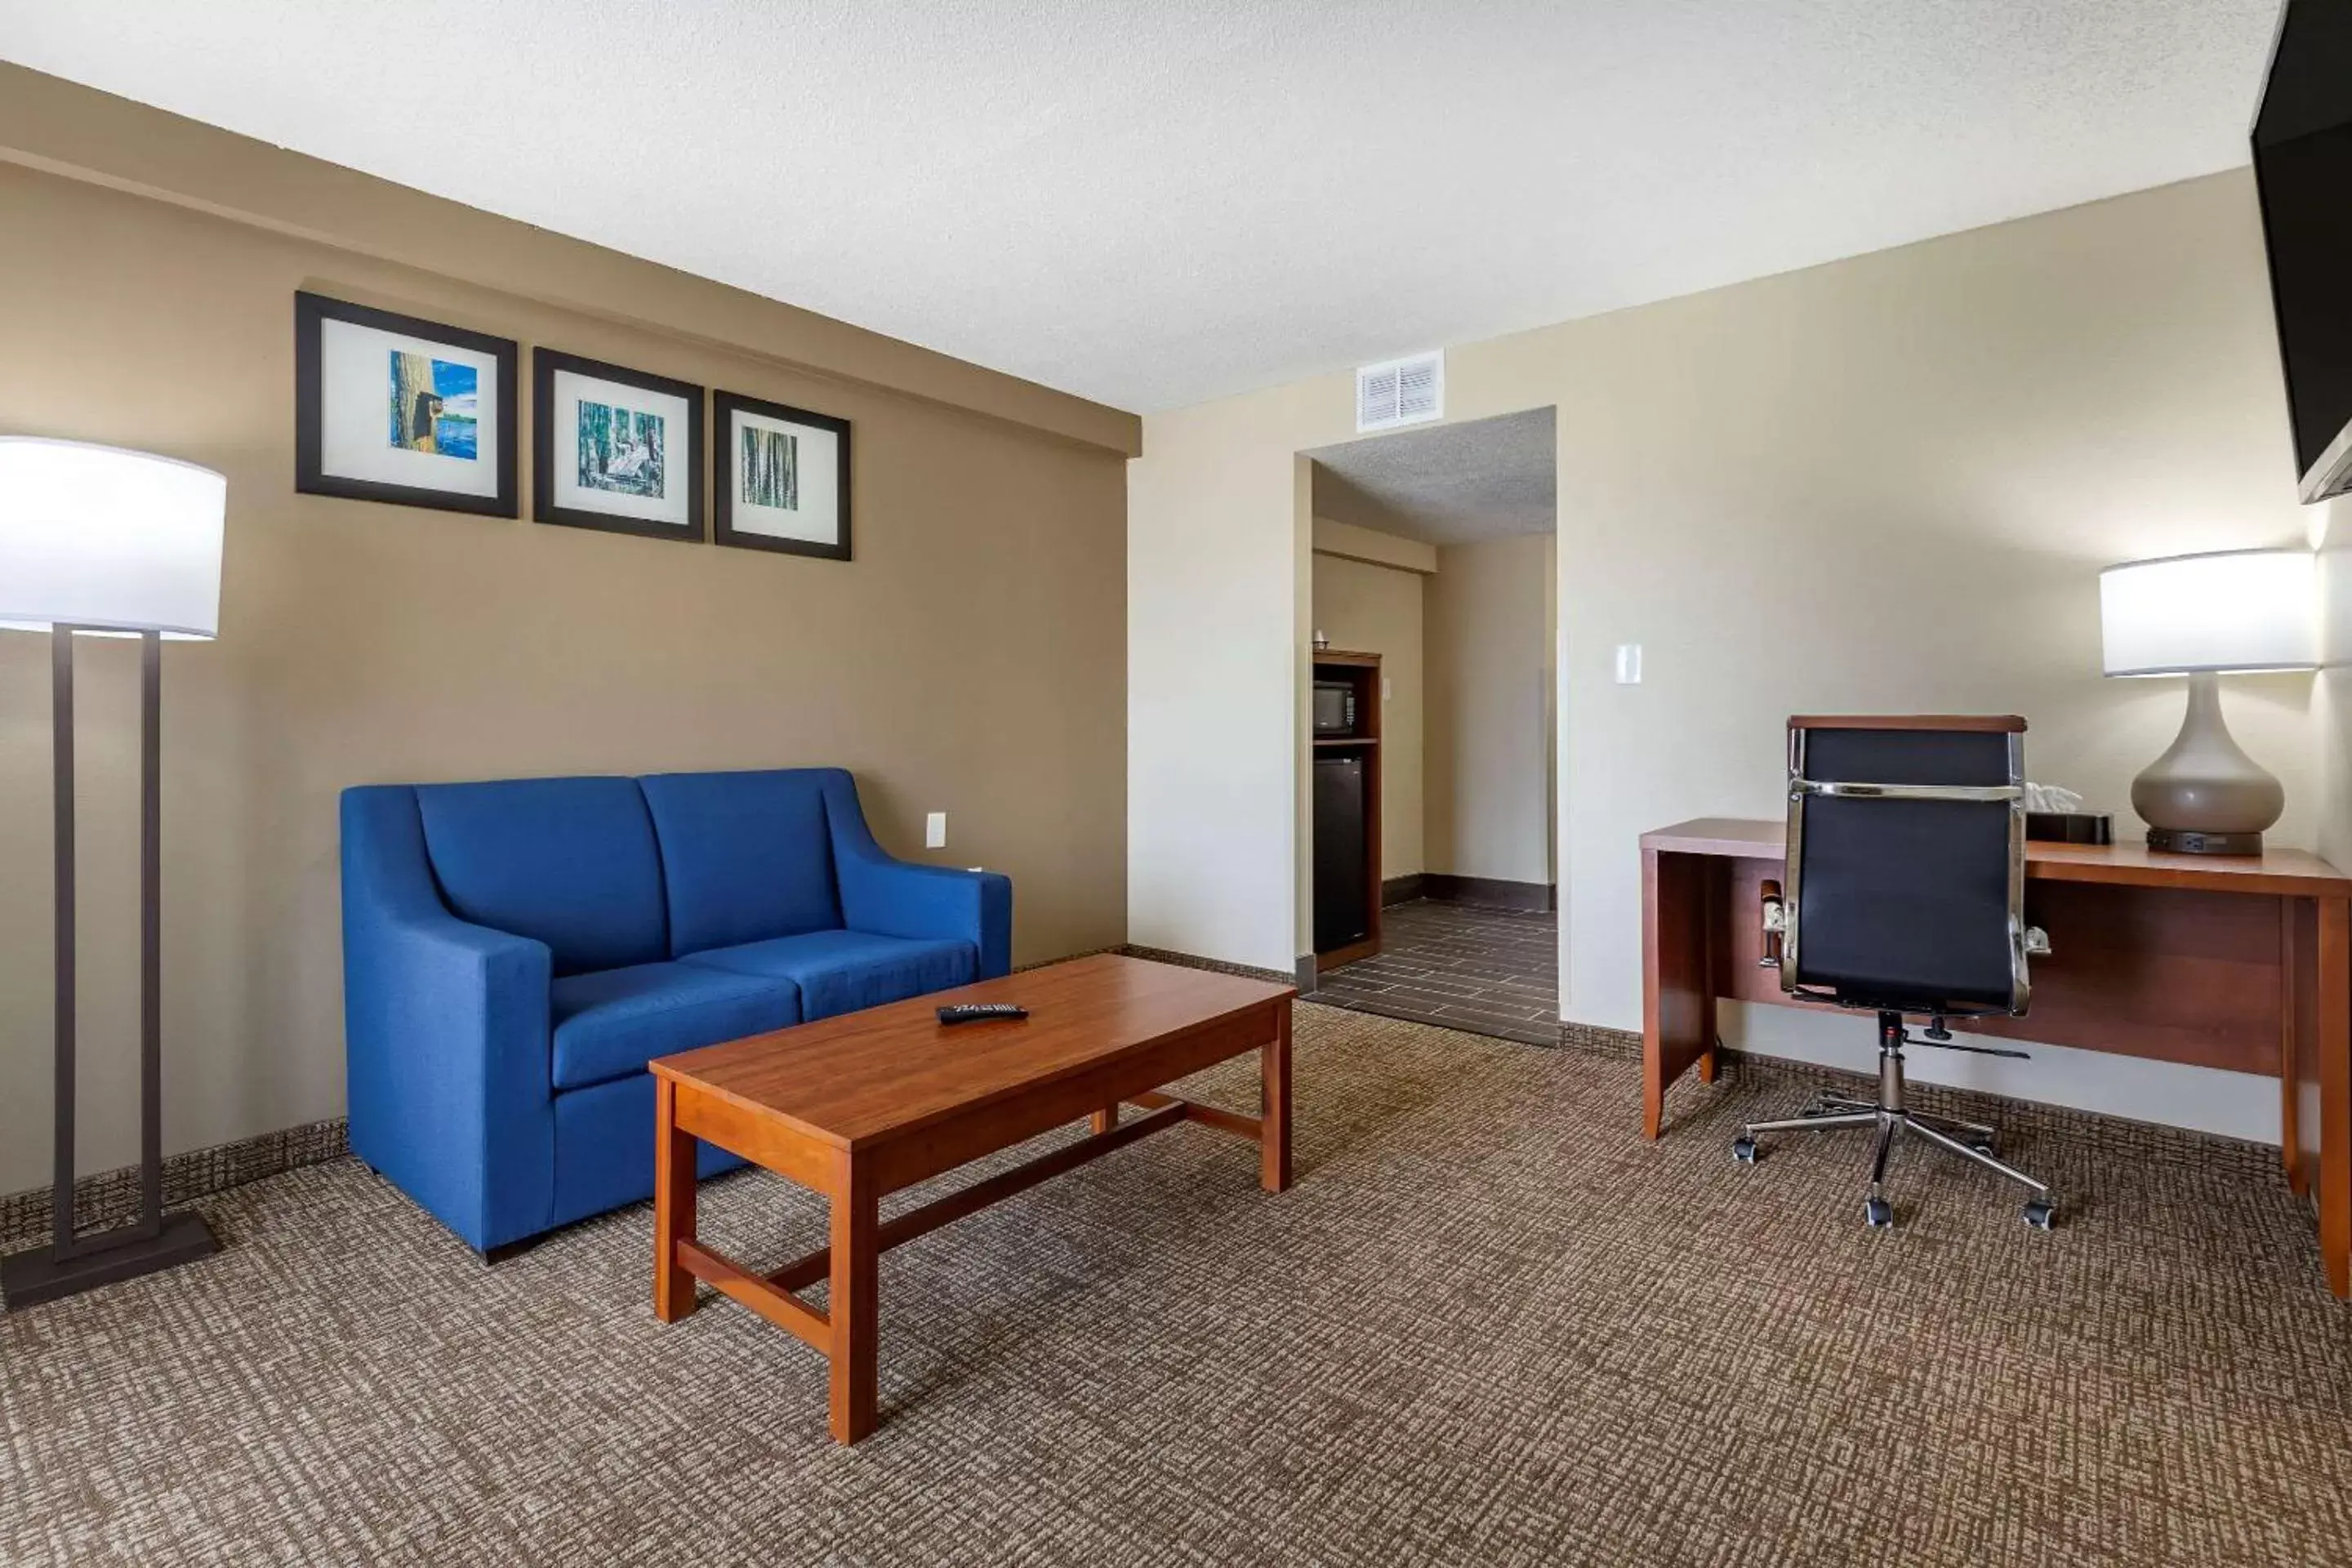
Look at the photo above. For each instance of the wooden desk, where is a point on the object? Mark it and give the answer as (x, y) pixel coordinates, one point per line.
(2224, 961)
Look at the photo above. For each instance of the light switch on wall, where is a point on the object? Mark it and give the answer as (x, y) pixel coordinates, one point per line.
(1629, 664)
(1387, 688)
(934, 830)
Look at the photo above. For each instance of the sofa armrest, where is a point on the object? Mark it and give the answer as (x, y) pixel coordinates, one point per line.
(890, 897)
(445, 1036)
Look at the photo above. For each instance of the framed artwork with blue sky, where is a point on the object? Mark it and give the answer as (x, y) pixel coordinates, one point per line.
(394, 408)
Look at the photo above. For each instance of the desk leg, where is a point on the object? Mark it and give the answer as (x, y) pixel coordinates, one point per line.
(2297, 1001)
(1678, 976)
(850, 1306)
(2335, 1173)
(1274, 1106)
(674, 1220)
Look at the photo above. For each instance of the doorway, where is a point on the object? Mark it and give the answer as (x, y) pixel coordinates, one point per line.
(1434, 796)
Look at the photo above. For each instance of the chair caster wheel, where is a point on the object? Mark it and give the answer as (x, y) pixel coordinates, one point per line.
(1985, 1146)
(1877, 1213)
(1743, 1149)
(2041, 1213)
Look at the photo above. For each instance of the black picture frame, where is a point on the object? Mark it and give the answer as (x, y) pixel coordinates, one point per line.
(311, 312)
(724, 406)
(544, 364)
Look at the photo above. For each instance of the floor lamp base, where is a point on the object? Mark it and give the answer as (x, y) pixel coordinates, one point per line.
(30, 1279)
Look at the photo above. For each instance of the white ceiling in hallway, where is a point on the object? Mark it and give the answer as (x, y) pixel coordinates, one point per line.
(1152, 203)
(1446, 484)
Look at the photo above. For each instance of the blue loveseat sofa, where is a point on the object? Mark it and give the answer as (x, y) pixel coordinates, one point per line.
(515, 953)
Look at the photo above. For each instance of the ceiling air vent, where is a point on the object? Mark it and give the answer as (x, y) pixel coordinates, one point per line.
(1400, 391)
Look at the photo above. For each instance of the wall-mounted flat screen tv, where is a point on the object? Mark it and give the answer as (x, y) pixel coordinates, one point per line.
(2303, 163)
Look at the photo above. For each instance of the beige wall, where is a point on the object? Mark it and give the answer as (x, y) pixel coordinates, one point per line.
(2331, 531)
(1489, 810)
(971, 658)
(1467, 733)
(1888, 484)
(1378, 609)
(1333, 537)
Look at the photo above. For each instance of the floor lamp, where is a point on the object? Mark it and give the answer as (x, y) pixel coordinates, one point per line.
(101, 542)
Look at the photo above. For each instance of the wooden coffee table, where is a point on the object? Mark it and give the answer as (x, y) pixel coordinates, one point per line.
(862, 1105)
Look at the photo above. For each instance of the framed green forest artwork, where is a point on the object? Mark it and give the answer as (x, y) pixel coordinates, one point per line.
(614, 450)
(782, 475)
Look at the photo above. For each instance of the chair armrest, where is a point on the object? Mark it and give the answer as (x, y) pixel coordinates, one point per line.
(890, 897)
(445, 1038)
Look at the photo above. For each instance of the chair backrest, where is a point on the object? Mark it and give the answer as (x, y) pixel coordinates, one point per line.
(1907, 864)
(747, 855)
(569, 861)
(614, 871)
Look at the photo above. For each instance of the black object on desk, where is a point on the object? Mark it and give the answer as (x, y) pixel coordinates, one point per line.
(2070, 828)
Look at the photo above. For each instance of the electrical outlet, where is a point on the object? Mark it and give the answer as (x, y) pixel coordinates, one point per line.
(934, 830)
(1629, 664)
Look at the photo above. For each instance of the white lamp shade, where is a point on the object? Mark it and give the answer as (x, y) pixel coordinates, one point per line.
(2240, 610)
(96, 536)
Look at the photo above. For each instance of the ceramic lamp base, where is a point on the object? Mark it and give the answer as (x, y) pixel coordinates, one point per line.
(2205, 796)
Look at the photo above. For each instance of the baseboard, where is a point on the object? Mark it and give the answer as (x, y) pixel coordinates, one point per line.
(1403, 890)
(1307, 971)
(1120, 948)
(1595, 1039)
(1191, 961)
(111, 1197)
(1487, 892)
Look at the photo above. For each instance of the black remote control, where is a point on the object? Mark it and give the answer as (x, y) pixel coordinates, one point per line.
(973, 1012)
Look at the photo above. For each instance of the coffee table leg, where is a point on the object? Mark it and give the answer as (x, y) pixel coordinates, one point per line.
(674, 1153)
(1274, 1128)
(851, 1305)
(1103, 1121)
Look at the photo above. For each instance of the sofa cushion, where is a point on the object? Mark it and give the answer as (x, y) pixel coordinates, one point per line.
(569, 862)
(609, 1023)
(746, 855)
(843, 971)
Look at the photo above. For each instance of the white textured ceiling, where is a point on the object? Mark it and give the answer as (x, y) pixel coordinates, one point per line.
(1154, 203)
(1449, 484)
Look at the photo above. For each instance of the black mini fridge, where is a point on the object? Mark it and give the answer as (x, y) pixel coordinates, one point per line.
(1343, 901)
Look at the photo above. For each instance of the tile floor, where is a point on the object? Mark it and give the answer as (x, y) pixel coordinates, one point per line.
(1491, 972)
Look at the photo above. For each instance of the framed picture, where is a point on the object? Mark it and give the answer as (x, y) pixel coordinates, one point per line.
(392, 408)
(783, 478)
(615, 449)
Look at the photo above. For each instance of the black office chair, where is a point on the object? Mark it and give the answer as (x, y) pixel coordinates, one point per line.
(1906, 895)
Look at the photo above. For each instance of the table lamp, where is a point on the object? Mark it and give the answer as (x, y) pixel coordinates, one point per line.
(99, 540)
(2235, 612)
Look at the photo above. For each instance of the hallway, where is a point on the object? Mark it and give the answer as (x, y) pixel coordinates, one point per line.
(1488, 970)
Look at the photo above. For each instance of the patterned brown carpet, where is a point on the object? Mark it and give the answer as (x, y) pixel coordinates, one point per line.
(1488, 1325)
